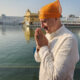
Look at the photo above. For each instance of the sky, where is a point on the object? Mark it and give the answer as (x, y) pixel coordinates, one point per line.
(19, 7)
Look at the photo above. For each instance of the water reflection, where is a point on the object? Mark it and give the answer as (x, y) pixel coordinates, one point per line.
(9, 28)
(26, 30)
(29, 33)
(3, 29)
(15, 51)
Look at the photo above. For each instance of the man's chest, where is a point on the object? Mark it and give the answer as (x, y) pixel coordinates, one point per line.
(55, 44)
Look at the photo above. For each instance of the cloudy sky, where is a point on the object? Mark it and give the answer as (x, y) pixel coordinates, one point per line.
(19, 7)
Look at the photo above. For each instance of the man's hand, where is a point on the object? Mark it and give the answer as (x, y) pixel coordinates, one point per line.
(40, 38)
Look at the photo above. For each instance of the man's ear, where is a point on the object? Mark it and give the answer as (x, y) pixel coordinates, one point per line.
(57, 19)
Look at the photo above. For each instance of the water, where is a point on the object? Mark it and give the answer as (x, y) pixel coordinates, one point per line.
(16, 54)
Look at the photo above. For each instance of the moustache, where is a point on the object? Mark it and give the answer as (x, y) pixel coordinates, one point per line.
(45, 27)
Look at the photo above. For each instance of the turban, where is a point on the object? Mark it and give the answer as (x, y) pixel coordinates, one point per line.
(52, 10)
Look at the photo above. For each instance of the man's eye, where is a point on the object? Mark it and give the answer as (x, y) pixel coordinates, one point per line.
(44, 21)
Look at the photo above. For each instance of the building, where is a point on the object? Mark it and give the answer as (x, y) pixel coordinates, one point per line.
(32, 20)
(11, 20)
(71, 20)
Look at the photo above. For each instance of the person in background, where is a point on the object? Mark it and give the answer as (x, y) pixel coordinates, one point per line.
(57, 51)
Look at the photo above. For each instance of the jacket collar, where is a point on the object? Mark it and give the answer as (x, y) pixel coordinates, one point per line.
(54, 34)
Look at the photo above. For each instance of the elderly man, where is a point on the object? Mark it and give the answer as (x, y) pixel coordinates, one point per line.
(57, 51)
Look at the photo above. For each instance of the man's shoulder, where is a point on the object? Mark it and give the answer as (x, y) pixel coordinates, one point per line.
(67, 33)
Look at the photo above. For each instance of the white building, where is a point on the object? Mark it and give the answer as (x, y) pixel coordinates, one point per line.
(11, 20)
(70, 20)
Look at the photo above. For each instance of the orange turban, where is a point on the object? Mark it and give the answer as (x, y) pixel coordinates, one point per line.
(52, 10)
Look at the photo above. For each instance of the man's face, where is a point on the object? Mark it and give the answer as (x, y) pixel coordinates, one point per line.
(48, 24)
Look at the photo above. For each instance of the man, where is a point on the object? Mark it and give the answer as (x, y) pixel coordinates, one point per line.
(57, 51)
